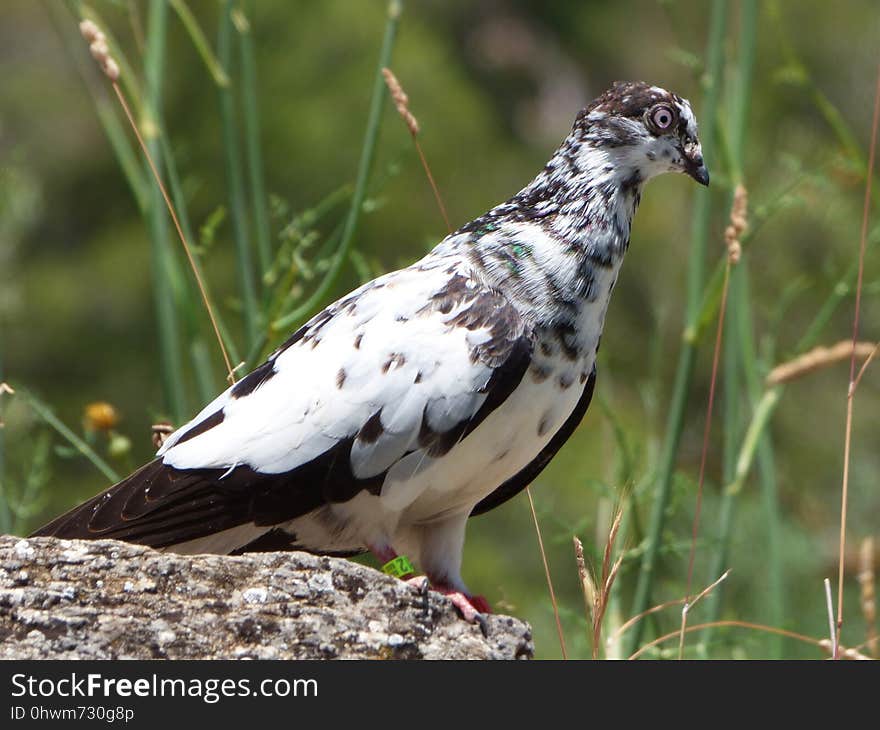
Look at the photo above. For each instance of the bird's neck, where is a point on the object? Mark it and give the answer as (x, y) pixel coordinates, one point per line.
(587, 197)
(556, 246)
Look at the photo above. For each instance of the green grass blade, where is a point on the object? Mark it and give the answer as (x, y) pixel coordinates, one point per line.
(234, 177)
(365, 166)
(188, 296)
(774, 597)
(124, 152)
(165, 270)
(687, 355)
(189, 22)
(253, 149)
(736, 350)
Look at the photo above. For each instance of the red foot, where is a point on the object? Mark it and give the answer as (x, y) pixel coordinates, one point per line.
(471, 608)
(481, 604)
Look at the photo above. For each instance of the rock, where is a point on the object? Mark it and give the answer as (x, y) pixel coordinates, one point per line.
(103, 599)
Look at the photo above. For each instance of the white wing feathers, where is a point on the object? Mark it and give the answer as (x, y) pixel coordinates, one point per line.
(391, 367)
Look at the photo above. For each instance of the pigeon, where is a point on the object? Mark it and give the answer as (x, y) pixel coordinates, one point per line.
(426, 396)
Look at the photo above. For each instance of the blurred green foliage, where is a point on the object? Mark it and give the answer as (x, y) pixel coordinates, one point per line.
(495, 86)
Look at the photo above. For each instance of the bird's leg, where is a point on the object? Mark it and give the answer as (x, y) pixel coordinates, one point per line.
(392, 564)
(471, 608)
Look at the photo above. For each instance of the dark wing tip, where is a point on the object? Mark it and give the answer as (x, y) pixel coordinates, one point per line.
(101, 516)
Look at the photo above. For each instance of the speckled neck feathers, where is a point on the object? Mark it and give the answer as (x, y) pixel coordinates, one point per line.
(550, 246)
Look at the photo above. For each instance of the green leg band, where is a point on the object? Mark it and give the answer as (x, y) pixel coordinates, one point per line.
(399, 567)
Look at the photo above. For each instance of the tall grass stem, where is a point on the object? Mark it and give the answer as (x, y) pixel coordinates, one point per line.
(738, 313)
(203, 48)
(851, 389)
(170, 207)
(707, 428)
(688, 352)
(253, 148)
(170, 351)
(547, 574)
(368, 150)
(235, 182)
(203, 375)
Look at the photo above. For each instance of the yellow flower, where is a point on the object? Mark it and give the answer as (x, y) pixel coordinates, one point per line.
(100, 416)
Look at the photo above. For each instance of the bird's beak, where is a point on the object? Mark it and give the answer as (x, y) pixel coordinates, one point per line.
(694, 165)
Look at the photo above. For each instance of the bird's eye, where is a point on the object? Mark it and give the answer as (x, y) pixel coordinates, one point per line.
(661, 117)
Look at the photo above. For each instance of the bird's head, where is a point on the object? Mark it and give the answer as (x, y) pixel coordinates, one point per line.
(646, 128)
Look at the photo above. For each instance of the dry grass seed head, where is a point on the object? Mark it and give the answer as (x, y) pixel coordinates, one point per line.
(817, 359)
(99, 49)
(401, 101)
(738, 224)
(587, 585)
(598, 592)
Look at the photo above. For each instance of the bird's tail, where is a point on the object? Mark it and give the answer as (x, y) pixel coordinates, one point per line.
(218, 510)
(84, 522)
(158, 506)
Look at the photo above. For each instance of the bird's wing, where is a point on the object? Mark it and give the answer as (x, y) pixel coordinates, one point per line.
(406, 366)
